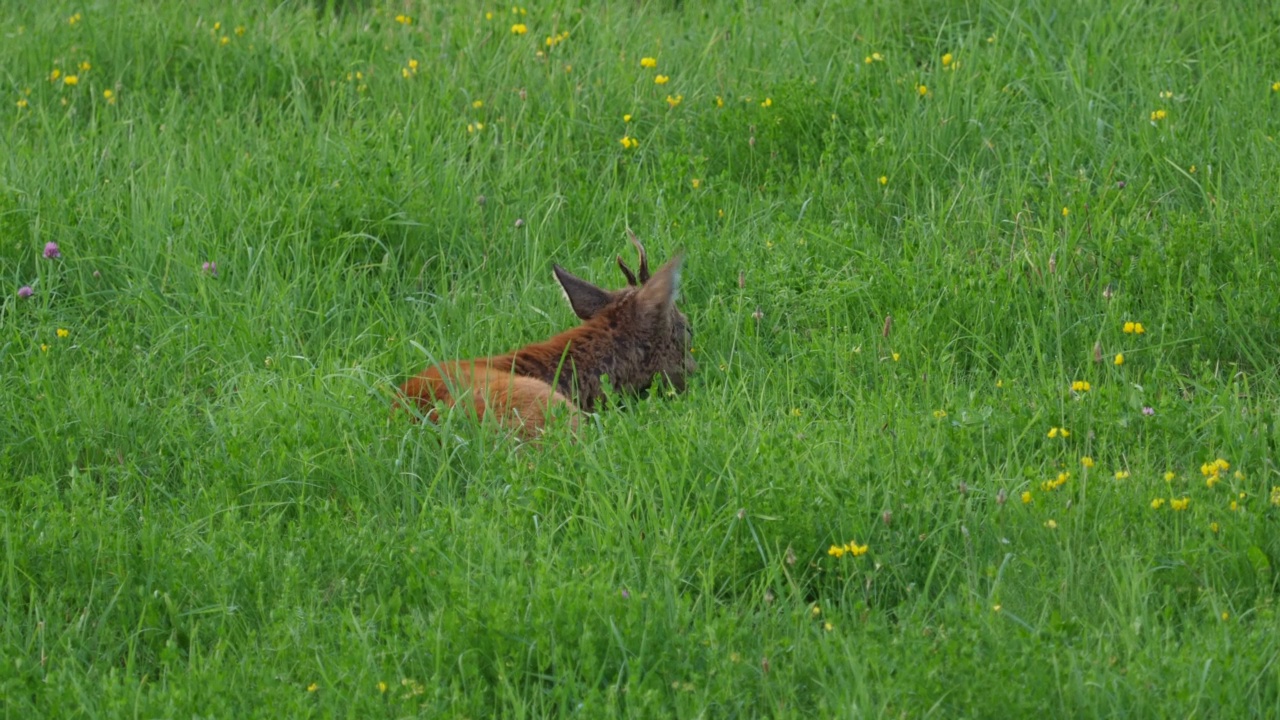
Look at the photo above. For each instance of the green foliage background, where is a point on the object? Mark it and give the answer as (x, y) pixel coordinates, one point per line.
(206, 509)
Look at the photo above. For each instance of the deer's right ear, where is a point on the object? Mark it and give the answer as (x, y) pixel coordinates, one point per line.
(585, 299)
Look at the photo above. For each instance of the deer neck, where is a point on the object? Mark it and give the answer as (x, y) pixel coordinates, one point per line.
(571, 362)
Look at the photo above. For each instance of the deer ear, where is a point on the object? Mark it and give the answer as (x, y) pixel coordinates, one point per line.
(659, 293)
(585, 299)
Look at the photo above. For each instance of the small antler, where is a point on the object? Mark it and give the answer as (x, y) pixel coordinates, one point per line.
(644, 262)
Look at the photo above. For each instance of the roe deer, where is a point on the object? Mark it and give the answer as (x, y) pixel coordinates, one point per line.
(632, 335)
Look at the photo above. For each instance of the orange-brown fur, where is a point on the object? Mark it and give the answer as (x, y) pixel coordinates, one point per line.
(632, 335)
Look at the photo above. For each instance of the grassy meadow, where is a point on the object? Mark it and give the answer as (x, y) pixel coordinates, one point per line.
(985, 302)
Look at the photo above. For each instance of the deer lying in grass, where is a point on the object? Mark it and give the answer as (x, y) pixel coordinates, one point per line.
(633, 335)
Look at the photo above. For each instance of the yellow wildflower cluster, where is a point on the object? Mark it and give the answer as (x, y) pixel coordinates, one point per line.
(1086, 461)
(1132, 328)
(1157, 503)
(1158, 115)
(648, 62)
(409, 70)
(629, 142)
(674, 102)
(519, 29)
(1051, 485)
(404, 19)
(949, 62)
(873, 57)
(661, 80)
(851, 547)
(1081, 386)
(1275, 495)
(1059, 432)
(1181, 504)
(1122, 474)
(74, 19)
(554, 40)
(1212, 471)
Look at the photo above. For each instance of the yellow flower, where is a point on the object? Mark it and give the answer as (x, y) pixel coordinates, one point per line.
(1165, 94)
(1122, 474)
(1157, 503)
(768, 102)
(488, 16)
(1226, 616)
(648, 62)
(22, 102)
(1159, 115)
(629, 142)
(404, 19)
(1275, 496)
(661, 79)
(697, 183)
(867, 60)
(795, 412)
(1119, 358)
(1026, 497)
(999, 383)
(477, 104)
(997, 607)
(626, 118)
(73, 19)
(939, 414)
(946, 59)
(71, 80)
(877, 57)
(63, 332)
(1051, 524)
(1212, 480)
(719, 101)
(922, 89)
(382, 687)
(85, 66)
(1081, 386)
(857, 550)
(675, 101)
(217, 26)
(896, 356)
(884, 180)
(1214, 528)
(44, 347)
(1275, 87)
(109, 96)
(1170, 475)
(239, 30)
(413, 65)
(1180, 505)
(836, 551)
(816, 611)
(828, 626)
(1234, 506)
(1086, 461)
(1128, 327)
(1057, 431)
(519, 29)
(313, 687)
(53, 76)
(1066, 211)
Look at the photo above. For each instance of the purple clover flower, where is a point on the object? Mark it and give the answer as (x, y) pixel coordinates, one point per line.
(1148, 411)
(25, 292)
(210, 267)
(51, 251)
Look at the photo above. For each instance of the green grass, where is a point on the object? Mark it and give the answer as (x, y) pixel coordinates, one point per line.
(206, 510)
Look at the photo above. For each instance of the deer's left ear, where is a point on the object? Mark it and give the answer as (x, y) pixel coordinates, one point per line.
(659, 291)
(585, 299)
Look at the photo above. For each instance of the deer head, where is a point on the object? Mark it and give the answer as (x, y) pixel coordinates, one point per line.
(634, 334)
